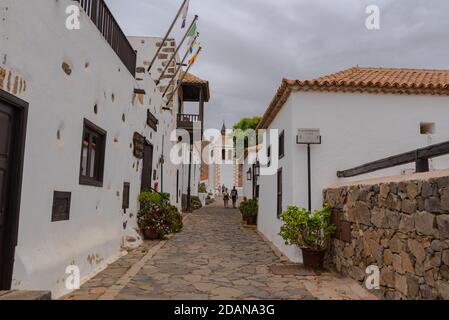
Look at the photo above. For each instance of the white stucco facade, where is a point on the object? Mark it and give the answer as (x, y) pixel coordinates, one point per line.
(34, 44)
(356, 129)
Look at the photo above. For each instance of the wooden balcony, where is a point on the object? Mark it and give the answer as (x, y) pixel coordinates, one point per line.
(186, 121)
(102, 17)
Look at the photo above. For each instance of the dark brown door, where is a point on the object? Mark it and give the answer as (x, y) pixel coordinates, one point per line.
(13, 116)
(7, 127)
(147, 170)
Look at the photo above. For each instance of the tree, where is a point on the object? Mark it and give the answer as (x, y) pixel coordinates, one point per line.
(242, 127)
(247, 123)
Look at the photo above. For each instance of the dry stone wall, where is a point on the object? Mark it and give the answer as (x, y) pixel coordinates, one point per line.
(401, 227)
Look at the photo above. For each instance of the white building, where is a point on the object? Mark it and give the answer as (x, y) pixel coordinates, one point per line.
(364, 114)
(81, 134)
(225, 167)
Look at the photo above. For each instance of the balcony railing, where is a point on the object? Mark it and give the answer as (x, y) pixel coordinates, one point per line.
(102, 17)
(186, 121)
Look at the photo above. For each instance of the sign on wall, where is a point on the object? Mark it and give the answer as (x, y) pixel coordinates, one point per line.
(139, 145)
(309, 136)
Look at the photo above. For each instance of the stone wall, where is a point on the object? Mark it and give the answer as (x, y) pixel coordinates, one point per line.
(401, 226)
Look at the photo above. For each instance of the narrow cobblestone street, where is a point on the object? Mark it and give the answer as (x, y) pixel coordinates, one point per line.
(214, 257)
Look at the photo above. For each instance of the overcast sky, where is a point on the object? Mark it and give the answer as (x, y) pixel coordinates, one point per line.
(250, 45)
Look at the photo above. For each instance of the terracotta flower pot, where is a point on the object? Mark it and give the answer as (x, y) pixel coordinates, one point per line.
(313, 259)
(150, 234)
(252, 221)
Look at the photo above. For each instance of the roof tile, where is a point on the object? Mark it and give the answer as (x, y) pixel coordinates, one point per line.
(364, 80)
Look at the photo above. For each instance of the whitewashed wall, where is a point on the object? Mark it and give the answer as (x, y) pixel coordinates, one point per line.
(268, 223)
(33, 44)
(146, 49)
(356, 129)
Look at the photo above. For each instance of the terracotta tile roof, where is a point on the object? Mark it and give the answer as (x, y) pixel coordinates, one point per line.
(364, 80)
(192, 79)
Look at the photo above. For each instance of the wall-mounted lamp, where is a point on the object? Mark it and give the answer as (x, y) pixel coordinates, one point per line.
(257, 169)
(249, 175)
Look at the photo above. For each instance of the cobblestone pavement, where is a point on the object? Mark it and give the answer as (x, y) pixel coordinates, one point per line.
(214, 257)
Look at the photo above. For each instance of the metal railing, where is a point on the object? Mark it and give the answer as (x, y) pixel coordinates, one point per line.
(189, 118)
(420, 157)
(102, 17)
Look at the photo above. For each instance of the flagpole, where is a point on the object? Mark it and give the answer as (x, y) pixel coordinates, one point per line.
(182, 79)
(177, 50)
(176, 73)
(166, 36)
(181, 64)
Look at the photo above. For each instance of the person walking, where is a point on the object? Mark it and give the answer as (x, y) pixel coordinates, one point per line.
(226, 198)
(234, 196)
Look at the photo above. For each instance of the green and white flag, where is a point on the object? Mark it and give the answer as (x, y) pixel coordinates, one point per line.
(193, 30)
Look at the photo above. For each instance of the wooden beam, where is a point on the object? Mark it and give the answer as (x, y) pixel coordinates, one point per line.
(419, 156)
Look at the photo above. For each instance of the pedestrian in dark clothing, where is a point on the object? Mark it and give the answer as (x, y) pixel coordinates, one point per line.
(234, 196)
(226, 198)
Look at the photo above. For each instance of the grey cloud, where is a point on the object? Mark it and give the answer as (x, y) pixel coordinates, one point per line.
(250, 45)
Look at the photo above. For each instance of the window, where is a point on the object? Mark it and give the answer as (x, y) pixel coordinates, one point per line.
(427, 128)
(92, 155)
(230, 157)
(125, 200)
(223, 154)
(279, 193)
(61, 206)
(281, 145)
(269, 156)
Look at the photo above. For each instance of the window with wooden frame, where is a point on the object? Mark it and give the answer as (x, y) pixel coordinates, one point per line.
(93, 147)
(282, 145)
(279, 193)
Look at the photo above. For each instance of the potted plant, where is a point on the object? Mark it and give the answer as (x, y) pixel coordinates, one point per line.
(196, 203)
(152, 217)
(173, 218)
(249, 210)
(311, 232)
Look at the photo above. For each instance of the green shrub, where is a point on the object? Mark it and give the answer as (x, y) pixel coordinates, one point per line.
(173, 218)
(202, 188)
(249, 208)
(156, 214)
(307, 230)
(196, 203)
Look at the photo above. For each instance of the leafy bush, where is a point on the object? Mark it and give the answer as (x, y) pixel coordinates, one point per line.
(307, 230)
(249, 208)
(196, 203)
(202, 188)
(173, 218)
(156, 214)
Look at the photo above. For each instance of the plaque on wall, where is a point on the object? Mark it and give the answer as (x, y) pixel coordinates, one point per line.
(139, 145)
(61, 206)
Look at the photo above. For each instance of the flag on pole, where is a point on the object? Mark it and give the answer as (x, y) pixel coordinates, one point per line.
(192, 45)
(193, 59)
(185, 11)
(193, 30)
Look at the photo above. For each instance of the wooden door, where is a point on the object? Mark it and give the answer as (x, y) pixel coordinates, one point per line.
(147, 170)
(13, 119)
(7, 127)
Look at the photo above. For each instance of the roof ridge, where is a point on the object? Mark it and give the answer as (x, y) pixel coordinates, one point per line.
(372, 80)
